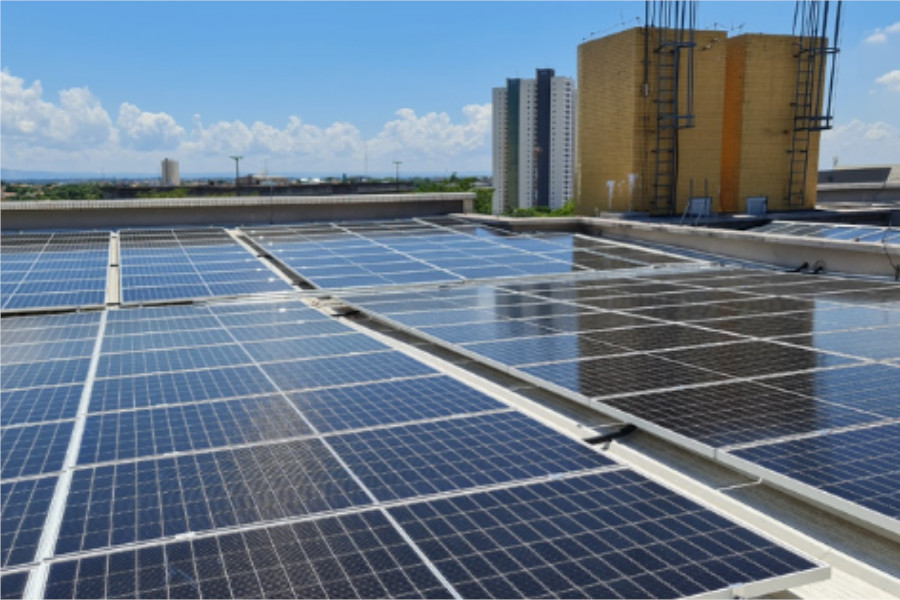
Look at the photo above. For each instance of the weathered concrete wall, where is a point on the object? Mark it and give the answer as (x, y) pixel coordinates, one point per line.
(225, 211)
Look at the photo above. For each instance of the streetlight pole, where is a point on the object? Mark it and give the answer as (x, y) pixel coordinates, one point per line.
(237, 161)
(397, 164)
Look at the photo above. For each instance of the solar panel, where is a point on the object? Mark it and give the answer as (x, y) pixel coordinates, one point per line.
(622, 374)
(35, 405)
(177, 388)
(876, 344)
(54, 270)
(25, 504)
(12, 585)
(360, 555)
(332, 371)
(435, 457)
(379, 254)
(869, 387)
(34, 449)
(602, 535)
(191, 427)
(739, 412)
(183, 264)
(745, 359)
(148, 499)
(385, 403)
(858, 465)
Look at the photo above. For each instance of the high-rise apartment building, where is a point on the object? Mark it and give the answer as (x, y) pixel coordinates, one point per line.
(170, 175)
(534, 142)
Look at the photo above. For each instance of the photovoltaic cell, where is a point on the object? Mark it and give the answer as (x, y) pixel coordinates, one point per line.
(35, 405)
(373, 404)
(131, 434)
(738, 412)
(859, 465)
(51, 372)
(182, 264)
(603, 535)
(35, 449)
(25, 505)
(332, 371)
(441, 456)
(351, 556)
(746, 359)
(177, 388)
(164, 361)
(53, 270)
(876, 344)
(871, 388)
(620, 374)
(148, 499)
(12, 585)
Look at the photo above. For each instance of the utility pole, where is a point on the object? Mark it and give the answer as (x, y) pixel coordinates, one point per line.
(237, 161)
(397, 164)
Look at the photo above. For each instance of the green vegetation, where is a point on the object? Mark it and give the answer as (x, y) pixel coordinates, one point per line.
(484, 201)
(181, 192)
(567, 210)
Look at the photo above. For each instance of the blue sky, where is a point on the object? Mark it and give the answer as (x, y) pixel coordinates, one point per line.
(345, 87)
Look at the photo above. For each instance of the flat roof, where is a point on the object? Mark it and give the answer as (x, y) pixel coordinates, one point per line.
(435, 407)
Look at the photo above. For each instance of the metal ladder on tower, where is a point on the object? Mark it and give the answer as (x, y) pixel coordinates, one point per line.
(666, 152)
(805, 111)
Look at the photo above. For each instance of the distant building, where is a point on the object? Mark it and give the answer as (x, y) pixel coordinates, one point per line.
(534, 142)
(170, 175)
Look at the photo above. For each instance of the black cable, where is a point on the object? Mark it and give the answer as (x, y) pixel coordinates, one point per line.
(602, 439)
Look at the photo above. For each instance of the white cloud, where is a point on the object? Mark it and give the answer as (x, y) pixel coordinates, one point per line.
(860, 143)
(881, 34)
(891, 80)
(76, 133)
(146, 130)
(78, 121)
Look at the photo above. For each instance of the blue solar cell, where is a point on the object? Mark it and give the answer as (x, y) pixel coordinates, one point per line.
(149, 499)
(859, 465)
(12, 585)
(350, 556)
(35, 449)
(178, 388)
(25, 504)
(131, 434)
(871, 388)
(35, 405)
(327, 372)
(177, 359)
(368, 405)
(435, 457)
(311, 347)
(604, 535)
(52, 372)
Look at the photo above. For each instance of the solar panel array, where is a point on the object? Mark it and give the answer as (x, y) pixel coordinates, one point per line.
(735, 360)
(53, 270)
(165, 265)
(365, 254)
(263, 449)
(260, 448)
(832, 231)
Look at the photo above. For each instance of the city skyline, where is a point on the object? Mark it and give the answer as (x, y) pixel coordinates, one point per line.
(345, 87)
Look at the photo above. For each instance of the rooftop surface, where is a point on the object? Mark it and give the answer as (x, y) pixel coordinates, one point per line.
(434, 407)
